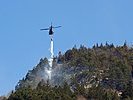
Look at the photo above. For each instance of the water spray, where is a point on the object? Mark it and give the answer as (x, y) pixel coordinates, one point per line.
(49, 70)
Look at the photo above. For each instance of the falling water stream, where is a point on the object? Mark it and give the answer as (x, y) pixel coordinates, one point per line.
(49, 70)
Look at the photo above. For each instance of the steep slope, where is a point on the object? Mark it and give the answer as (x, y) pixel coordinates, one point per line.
(106, 66)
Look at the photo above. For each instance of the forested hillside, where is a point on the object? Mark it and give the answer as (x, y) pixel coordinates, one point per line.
(103, 72)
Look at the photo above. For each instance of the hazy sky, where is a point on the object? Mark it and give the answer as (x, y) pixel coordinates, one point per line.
(85, 22)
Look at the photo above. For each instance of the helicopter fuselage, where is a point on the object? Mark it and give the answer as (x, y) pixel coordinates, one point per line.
(51, 31)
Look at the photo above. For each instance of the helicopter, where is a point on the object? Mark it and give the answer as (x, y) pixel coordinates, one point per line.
(50, 29)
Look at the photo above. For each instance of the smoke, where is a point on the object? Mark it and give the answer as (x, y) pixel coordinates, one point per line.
(43, 71)
(47, 70)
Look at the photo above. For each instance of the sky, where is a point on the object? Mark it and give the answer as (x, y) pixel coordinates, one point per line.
(85, 22)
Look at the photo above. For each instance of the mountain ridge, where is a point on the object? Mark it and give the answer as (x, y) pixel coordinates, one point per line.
(105, 66)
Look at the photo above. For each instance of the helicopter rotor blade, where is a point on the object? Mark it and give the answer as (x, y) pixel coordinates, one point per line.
(56, 27)
(44, 29)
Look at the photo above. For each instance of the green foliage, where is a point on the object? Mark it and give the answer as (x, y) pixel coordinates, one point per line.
(44, 92)
(106, 68)
(100, 93)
